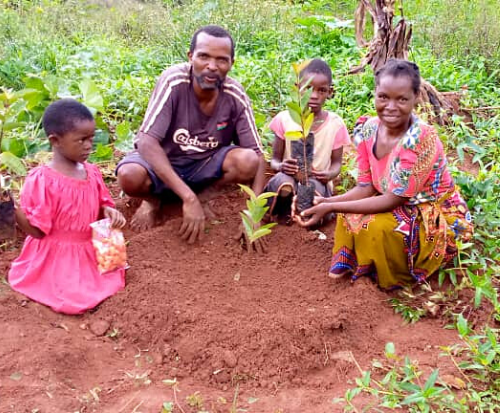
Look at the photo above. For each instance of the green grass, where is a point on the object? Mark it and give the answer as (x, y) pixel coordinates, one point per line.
(110, 57)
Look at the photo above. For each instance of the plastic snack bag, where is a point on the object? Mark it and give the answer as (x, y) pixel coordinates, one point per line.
(109, 246)
(7, 211)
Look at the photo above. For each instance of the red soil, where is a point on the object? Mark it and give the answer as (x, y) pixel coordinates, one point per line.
(272, 330)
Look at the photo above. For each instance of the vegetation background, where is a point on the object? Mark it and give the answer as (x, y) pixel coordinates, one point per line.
(108, 54)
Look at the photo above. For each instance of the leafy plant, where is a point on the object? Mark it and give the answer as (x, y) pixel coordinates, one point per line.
(402, 387)
(253, 215)
(299, 111)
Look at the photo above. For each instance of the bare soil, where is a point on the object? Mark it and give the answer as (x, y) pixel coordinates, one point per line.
(272, 333)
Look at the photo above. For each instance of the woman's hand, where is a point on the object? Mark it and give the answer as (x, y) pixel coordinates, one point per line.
(299, 218)
(116, 217)
(313, 215)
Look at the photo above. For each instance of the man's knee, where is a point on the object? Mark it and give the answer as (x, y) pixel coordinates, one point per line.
(133, 179)
(244, 163)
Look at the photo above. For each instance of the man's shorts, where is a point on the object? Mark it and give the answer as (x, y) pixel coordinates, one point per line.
(197, 175)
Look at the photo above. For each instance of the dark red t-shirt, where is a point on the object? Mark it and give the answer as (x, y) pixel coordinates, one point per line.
(185, 133)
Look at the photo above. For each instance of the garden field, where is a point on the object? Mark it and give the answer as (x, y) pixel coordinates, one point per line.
(211, 327)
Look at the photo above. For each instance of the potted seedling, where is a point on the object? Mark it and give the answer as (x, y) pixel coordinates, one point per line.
(302, 145)
(253, 215)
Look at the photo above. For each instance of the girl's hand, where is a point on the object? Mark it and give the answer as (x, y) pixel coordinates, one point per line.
(289, 167)
(116, 217)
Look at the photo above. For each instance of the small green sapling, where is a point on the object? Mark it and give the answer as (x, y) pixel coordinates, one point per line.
(253, 215)
(303, 139)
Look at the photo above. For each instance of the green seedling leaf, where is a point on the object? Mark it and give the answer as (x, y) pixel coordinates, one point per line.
(261, 232)
(293, 135)
(304, 86)
(304, 99)
(248, 191)
(296, 117)
(247, 223)
(266, 195)
(308, 124)
(293, 106)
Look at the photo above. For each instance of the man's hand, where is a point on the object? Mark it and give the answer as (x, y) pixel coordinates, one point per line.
(322, 176)
(289, 167)
(193, 221)
(116, 217)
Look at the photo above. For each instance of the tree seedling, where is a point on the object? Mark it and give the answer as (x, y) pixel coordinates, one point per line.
(302, 145)
(253, 215)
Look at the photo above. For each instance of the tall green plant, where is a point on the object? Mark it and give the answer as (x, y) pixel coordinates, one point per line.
(300, 113)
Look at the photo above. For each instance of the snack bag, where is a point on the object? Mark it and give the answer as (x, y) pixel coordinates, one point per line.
(7, 210)
(109, 246)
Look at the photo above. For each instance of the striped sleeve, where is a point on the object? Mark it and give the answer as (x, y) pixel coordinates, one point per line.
(159, 113)
(246, 130)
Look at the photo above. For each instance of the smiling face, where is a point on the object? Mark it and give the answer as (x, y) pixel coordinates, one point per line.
(211, 61)
(76, 144)
(394, 101)
(321, 90)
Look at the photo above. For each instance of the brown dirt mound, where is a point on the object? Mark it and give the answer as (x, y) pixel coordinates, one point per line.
(213, 316)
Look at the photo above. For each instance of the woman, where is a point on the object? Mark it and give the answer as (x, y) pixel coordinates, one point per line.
(401, 222)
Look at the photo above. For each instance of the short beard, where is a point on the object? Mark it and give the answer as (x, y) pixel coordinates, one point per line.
(209, 86)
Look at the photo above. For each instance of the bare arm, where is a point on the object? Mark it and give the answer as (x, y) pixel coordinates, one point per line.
(260, 177)
(336, 162)
(356, 193)
(26, 227)
(372, 205)
(278, 152)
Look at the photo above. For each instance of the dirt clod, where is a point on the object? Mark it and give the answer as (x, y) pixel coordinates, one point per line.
(99, 327)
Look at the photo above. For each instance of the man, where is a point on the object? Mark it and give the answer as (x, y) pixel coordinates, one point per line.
(185, 141)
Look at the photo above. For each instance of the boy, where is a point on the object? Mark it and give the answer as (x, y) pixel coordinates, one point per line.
(330, 136)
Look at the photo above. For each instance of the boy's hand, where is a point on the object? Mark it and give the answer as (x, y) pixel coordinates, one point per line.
(289, 167)
(323, 176)
(116, 217)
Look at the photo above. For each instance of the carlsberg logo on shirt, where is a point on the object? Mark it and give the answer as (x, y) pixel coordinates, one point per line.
(187, 143)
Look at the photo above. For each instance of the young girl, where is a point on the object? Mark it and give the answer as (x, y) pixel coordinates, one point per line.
(57, 266)
(330, 136)
(403, 219)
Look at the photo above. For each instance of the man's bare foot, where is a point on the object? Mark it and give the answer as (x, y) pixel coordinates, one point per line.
(146, 215)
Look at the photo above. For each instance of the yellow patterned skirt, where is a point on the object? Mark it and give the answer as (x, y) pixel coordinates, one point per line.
(403, 246)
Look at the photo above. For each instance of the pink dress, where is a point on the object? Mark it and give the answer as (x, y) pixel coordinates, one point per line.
(60, 270)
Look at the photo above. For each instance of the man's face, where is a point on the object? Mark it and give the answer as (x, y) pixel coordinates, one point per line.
(211, 60)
